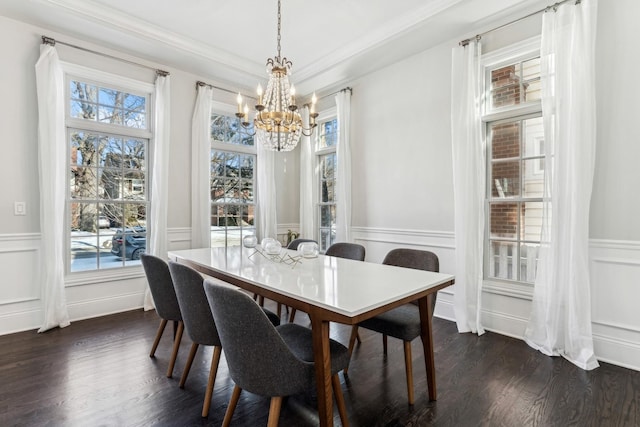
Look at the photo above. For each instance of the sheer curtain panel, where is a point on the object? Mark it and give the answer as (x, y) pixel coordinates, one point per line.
(560, 322)
(52, 149)
(201, 169)
(266, 220)
(343, 172)
(158, 245)
(307, 216)
(468, 184)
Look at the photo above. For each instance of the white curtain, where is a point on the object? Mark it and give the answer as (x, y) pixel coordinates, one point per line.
(53, 174)
(200, 169)
(158, 244)
(307, 226)
(468, 184)
(343, 173)
(266, 220)
(560, 322)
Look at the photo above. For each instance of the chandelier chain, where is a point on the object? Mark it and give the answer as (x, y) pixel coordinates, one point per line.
(279, 17)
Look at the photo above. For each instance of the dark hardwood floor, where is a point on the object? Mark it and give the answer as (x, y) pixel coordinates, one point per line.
(98, 372)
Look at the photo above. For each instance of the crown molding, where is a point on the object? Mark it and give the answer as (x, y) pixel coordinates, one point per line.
(375, 39)
(102, 14)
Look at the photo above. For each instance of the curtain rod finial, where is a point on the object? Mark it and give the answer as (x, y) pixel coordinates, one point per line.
(48, 40)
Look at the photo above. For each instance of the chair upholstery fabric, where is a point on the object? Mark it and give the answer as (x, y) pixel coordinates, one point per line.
(198, 320)
(161, 286)
(262, 359)
(296, 242)
(197, 317)
(404, 322)
(346, 250)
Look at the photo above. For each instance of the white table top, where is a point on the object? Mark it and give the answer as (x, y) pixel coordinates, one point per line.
(341, 285)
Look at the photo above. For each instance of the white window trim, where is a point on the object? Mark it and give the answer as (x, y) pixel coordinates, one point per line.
(126, 84)
(225, 109)
(324, 116)
(494, 59)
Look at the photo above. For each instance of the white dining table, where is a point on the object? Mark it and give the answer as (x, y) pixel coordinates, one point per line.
(328, 289)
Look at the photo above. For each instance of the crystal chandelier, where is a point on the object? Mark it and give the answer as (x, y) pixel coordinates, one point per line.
(277, 123)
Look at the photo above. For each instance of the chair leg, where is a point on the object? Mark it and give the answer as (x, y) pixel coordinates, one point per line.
(261, 300)
(384, 344)
(176, 347)
(358, 338)
(163, 324)
(187, 366)
(279, 310)
(274, 411)
(409, 368)
(337, 392)
(352, 343)
(235, 396)
(292, 316)
(215, 361)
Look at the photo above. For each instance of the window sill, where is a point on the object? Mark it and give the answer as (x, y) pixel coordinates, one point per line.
(510, 289)
(103, 276)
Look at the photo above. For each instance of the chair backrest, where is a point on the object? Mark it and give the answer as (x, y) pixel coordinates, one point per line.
(259, 360)
(417, 259)
(296, 242)
(413, 258)
(196, 314)
(346, 250)
(161, 286)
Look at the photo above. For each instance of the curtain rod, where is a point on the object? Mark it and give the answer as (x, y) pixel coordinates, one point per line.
(336, 92)
(51, 41)
(479, 36)
(200, 83)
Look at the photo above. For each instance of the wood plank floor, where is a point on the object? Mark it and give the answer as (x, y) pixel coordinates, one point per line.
(98, 372)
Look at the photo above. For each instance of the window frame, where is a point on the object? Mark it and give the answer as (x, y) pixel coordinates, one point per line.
(521, 51)
(326, 115)
(112, 81)
(229, 110)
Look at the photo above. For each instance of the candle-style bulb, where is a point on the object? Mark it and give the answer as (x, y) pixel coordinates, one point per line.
(246, 112)
(314, 98)
(239, 100)
(259, 94)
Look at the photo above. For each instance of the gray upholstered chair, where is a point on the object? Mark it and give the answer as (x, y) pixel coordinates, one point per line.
(198, 322)
(346, 250)
(402, 322)
(340, 250)
(296, 242)
(267, 360)
(164, 298)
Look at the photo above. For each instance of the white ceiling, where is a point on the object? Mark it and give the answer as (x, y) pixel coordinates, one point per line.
(228, 41)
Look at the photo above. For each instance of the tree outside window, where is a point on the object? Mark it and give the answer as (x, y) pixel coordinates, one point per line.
(107, 198)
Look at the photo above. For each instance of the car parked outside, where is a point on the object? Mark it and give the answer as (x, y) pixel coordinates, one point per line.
(130, 244)
(103, 222)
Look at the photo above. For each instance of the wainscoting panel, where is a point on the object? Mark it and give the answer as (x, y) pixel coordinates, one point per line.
(614, 270)
(87, 296)
(615, 296)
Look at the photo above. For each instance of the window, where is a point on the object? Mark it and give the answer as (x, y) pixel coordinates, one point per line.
(108, 143)
(515, 168)
(233, 161)
(326, 160)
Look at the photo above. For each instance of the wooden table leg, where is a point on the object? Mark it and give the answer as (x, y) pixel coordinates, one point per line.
(427, 344)
(322, 359)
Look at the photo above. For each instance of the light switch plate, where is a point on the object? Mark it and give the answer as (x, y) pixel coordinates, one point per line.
(19, 208)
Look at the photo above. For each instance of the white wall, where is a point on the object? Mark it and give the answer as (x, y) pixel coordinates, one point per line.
(20, 304)
(402, 180)
(403, 177)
